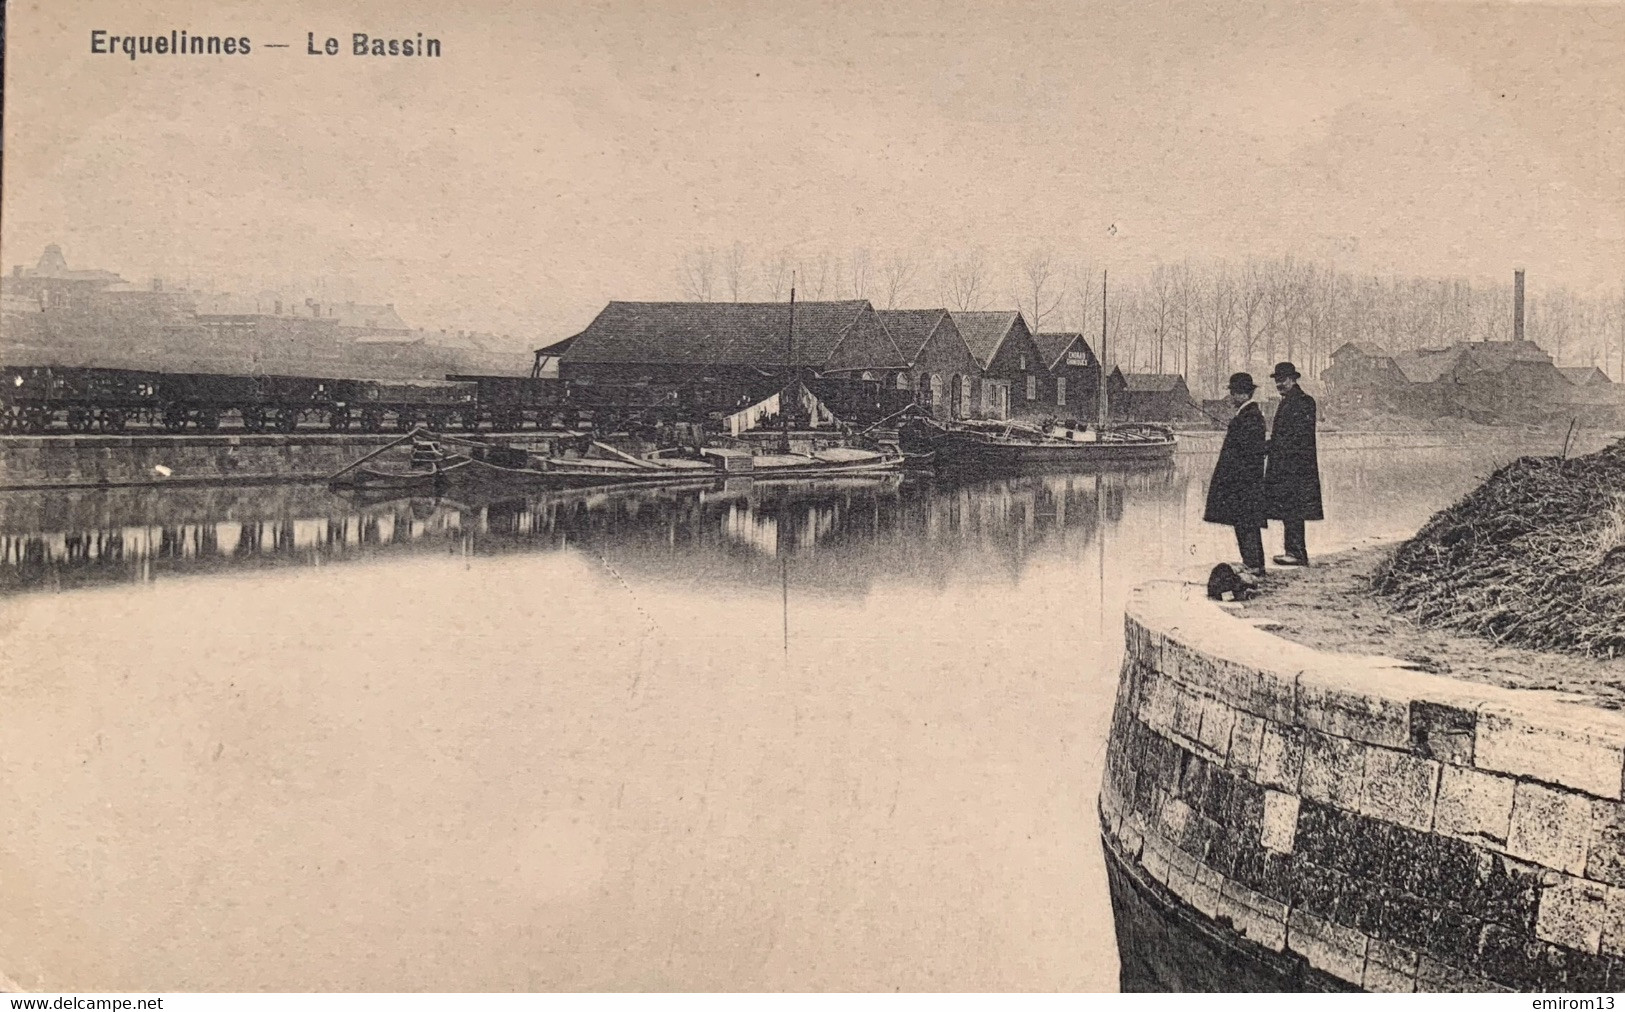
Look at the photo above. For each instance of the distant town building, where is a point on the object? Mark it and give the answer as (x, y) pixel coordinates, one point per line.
(54, 286)
(356, 320)
(1486, 381)
(1151, 397)
(1075, 372)
(941, 369)
(1015, 381)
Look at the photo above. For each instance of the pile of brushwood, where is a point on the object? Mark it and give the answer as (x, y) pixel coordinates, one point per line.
(1534, 557)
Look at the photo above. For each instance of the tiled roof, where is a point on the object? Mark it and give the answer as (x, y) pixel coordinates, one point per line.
(557, 348)
(984, 332)
(1494, 356)
(1361, 348)
(1427, 365)
(912, 328)
(828, 335)
(1151, 382)
(1053, 345)
(1584, 375)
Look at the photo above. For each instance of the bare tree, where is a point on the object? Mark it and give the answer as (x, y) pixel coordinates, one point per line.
(1037, 301)
(1085, 292)
(964, 282)
(697, 274)
(776, 276)
(1249, 309)
(896, 278)
(815, 276)
(1221, 322)
(857, 273)
(733, 271)
(1187, 290)
(1158, 308)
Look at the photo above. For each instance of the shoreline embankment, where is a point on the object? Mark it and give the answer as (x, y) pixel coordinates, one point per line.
(1320, 821)
(96, 461)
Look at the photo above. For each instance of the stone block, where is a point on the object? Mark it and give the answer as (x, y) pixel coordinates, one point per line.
(1280, 825)
(1553, 746)
(1184, 664)
(1255, 915)
(1443, 732)
(1333, 769)
(1261, 691)
(1154, 859)
(1438, 868)
(1507, 891)
(1512, 958)
(1454, 934)
(1246, 805)
(1396, 957)
(1246, 740)
(1218, 720)
(1206, 890)
(1333, 702)
(1381, 978)
(1605, 859)
(1400, 788)
(1187, 722)
(1577, 971)
(1612, 942)
(1572, 915)
(1175, 821)
(1332, 948)
(1130, 839)
(1550, 827)
(1266, 907)
(1156, 708)
(1280, 757)
(1474, 804)
(1436, 977)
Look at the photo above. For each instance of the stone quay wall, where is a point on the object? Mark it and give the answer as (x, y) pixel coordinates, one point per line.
(1348, 822)
(111, 461)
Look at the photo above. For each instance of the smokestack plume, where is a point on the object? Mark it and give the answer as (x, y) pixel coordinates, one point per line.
(1517, 305)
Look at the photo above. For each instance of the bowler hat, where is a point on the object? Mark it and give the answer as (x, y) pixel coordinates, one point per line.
(1284, 370)
(1242, 383)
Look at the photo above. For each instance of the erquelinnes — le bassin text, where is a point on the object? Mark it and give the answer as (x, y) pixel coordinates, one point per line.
(179, 43)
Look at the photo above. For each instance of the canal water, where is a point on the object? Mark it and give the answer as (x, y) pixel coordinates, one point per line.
(817, 736)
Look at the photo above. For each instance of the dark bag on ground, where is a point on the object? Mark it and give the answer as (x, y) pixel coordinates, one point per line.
(1226, 584)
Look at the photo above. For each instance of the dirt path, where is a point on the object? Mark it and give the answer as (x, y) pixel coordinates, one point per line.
(1330, 606)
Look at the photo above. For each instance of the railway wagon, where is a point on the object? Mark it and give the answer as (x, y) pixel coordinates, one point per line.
(34, 398)
(511, 403)
(439, 404)
(39, 399)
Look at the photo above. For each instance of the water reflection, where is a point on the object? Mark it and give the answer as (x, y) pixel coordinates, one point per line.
(728, 737)
(840, 533)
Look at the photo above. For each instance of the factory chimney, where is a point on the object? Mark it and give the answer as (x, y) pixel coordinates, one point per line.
(1517, 305)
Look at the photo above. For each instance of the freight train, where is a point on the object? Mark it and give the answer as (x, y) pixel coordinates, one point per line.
(44, 399)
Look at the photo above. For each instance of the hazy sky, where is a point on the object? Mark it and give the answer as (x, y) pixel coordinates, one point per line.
(561, 155)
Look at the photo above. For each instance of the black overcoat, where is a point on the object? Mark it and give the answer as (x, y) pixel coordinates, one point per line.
(1235, 496)
(1292, 478)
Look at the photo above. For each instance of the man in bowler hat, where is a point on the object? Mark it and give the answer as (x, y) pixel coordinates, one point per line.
(1292, 479)
(1235, 496)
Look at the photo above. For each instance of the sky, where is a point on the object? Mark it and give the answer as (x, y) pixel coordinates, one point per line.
(558, 156)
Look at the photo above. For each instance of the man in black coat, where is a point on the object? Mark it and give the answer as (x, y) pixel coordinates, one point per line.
(1235, 496)
(1292, 479)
